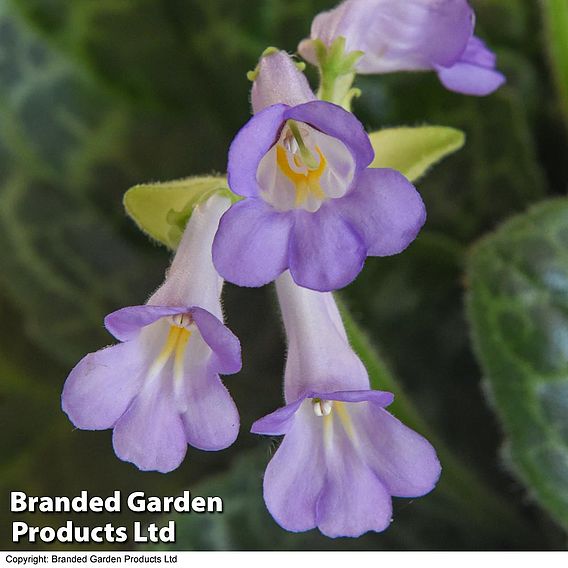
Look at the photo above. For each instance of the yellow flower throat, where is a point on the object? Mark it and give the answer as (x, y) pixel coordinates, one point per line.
(306, 183)
(175, 345)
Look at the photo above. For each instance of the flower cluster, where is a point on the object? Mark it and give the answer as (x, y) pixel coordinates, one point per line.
(306, 208)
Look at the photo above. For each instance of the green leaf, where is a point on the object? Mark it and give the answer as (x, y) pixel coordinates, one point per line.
(65, 263)
(518, 307)
(555, 17)
(412, 150)
(161, 210)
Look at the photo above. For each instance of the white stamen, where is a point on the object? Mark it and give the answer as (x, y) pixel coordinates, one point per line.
(290, 144)
(322, 407)
(181, 320)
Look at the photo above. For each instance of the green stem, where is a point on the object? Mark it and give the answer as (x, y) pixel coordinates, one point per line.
(337, 88)
(337, 72)
(459, 484)
(555, 19)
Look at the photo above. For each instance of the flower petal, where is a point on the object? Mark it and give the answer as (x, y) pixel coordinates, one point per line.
(249, 146)
(211, 420)
(353, 500)
(223, 342)
(325, 252)
(471, 79)
(295, 475)
(151, 434)
(386, 209)
(474, 73)
(335, 121)
(125, 324)
(405, 461)
(251, 245)
(102, 385)
(278, 422)
(380, 398)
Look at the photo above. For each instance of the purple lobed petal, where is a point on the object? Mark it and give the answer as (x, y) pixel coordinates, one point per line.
(222, 341)
(386, 209)
(125, 324)
(295, 476)
(151, 433)
(335, 121)
(405, 461)
(326, 252)
(353, 500)
(102, 385)
(278, 422)
(251, 244)
(250, 144)
(474, 73)
(211, 420)
(380, 398)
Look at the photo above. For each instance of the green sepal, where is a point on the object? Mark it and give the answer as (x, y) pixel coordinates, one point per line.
(253, 73)
(413, 150)
(334, 59)
(337, 71)
(161, 210)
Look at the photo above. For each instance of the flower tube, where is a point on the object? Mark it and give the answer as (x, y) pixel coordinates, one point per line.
(311, 204)
(343, 455)
(159, 388)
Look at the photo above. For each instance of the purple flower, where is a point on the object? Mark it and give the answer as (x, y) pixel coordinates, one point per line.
(159, 389)
(343, 455)
(415, 35)
(311, 203)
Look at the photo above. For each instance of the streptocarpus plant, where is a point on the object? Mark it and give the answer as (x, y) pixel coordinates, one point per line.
(307, 199)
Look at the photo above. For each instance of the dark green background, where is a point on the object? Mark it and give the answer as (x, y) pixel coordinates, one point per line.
(96, 96)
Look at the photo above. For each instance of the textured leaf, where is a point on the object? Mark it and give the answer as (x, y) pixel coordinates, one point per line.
(412, 151)
(162, 209)
(518, 307)
(64, 263)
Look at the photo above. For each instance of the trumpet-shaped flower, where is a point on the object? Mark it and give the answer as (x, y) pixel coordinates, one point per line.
(343, 455)
(311, 203)
(415, 35)
(159, 389)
